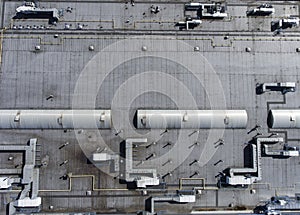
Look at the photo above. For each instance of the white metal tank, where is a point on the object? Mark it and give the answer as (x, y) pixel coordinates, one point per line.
(284, 119)
(191, 119)
(55, 119)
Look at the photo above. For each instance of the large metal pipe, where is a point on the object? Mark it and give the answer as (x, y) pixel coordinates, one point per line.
(284, 119)
(192, 119)
(55, 119)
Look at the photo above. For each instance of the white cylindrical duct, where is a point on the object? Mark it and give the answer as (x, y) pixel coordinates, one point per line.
(284, 119)
(55, 119)
(191, 119)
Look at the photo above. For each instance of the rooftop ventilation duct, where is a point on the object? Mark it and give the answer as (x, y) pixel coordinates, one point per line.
(284, 119)
(55, 119)
(191, 119)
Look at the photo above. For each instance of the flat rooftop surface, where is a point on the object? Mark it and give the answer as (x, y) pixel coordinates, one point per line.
(141, 60)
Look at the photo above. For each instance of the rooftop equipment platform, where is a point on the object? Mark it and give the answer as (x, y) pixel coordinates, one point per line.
(208, 11)
(283, 87)
(285, 23)
(262, 10)
(30, 11)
